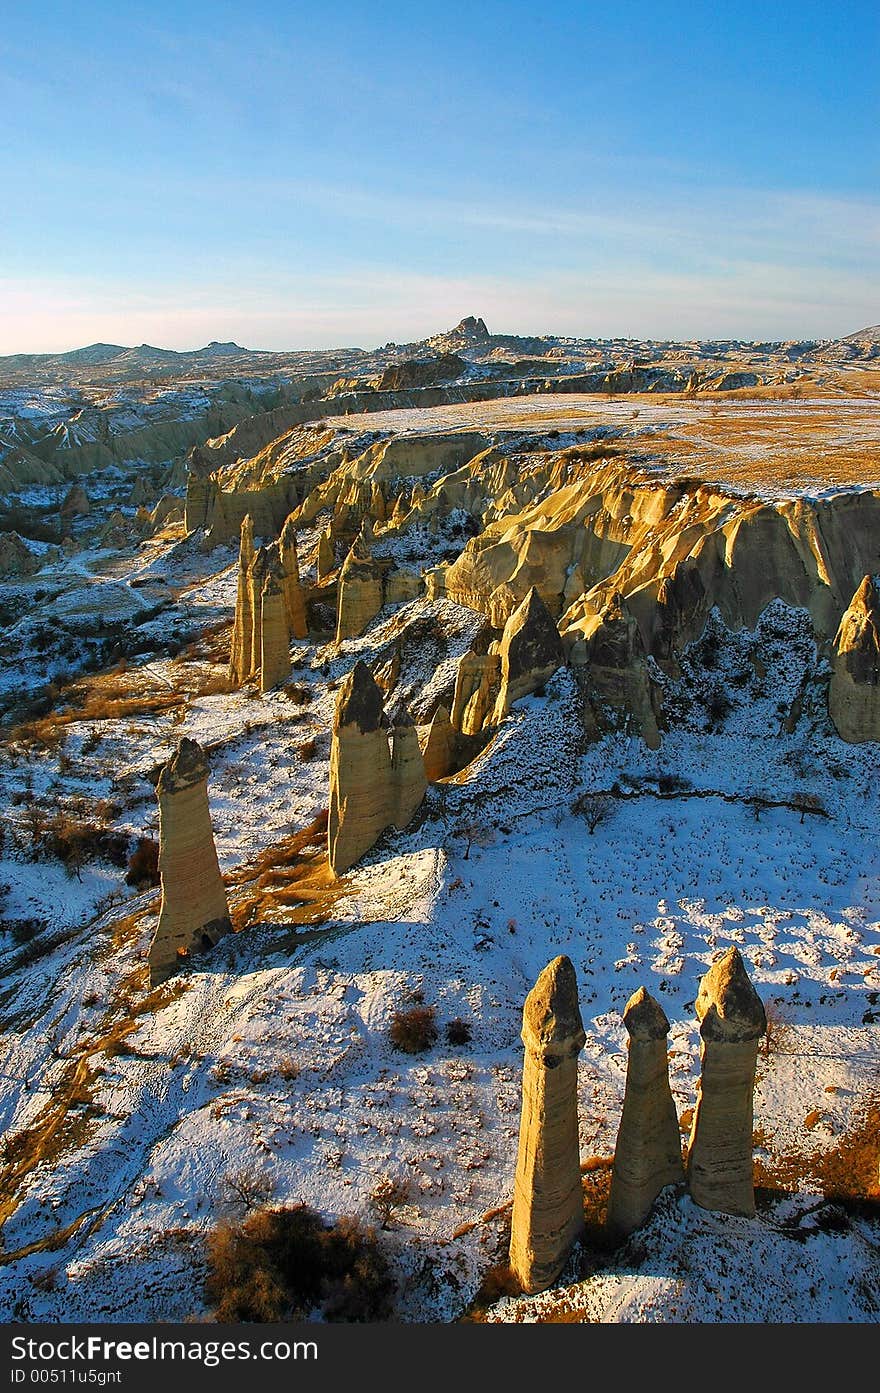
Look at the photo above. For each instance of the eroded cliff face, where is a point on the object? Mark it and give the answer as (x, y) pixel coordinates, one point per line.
(854, 690)
(625, 561)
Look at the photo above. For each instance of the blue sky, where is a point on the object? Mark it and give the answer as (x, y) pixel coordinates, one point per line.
(296, 175)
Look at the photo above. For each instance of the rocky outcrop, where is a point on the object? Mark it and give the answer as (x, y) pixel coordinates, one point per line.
(614, 670)
(439, 752)
(732, 1019)
(16, 557)
(530, 652)
(76, 504)
(360, 592)
(408, 780)
(476, 688)
(372, 786)
(194, 912)
(548, 1207)
(647, 1155)
(241, 662)
(294, 596)
(421, 372)
(854, 689)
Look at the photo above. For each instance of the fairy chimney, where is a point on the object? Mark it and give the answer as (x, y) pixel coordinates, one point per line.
(360, 592)
(241, 655)
(548, 1208)
(407, 769)
(647, 1155)
(274, 633)
(732, 1019)
(326, 556)
(257, 572)
(854, 690)
(294, 596)
(360, 771)
(194, 912)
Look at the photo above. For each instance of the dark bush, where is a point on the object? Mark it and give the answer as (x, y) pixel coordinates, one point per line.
(458, 1032)
(143, 864)
(308, 749)
(280, 1264)
(414, 1031)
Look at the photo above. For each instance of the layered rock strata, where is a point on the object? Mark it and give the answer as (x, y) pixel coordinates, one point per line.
(194, 912)
(548, 1210)
(854, 689)
(647, 1155)
(732, 1019)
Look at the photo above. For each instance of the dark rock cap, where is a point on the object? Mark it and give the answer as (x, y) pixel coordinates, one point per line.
(727, 1005)
(644, 1017)
(551, 1014)
(533, 638)
(187, 766)
(359, 702)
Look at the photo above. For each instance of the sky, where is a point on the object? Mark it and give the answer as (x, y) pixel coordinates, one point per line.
(293, 175)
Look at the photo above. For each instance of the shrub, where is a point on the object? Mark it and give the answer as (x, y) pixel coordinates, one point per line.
(280, 1264)
(414, 1031)
(299, 693)
(387, 1196)
(308, 749)
(594, 808)
(458, 1032)
(143, 864)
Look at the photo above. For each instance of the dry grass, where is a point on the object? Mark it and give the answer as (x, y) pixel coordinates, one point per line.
(846, 1171)
(292, 875)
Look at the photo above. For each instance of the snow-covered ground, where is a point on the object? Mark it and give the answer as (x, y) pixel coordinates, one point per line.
(272, 1057)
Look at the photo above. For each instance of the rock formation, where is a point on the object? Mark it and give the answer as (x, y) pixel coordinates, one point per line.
(241, 657)
(616, 668)
(732, 1019)
(326, 556)
(16, 557)
(854, 690)
(194, 913)
(274, 633)
(548, 1206)
(476, 685)
(439, 751)
(360, 771)
(647, 1155)
(407, 769)
(360, 592)
(294, 596)
(530, 652)
(257, 572)
(372, 786)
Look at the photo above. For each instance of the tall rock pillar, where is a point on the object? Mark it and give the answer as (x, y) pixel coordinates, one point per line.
(361, 792)
(294, 596)
(732, 1019)
(647, 1156)
(409, 783)
(548, 1206)
(274, 634)
(241, 656)
(194, 913)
